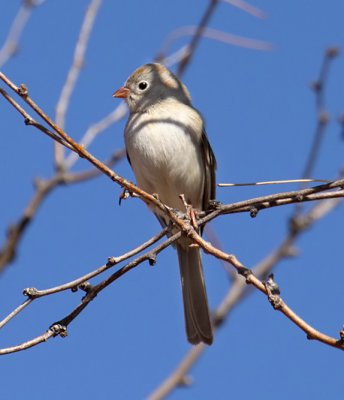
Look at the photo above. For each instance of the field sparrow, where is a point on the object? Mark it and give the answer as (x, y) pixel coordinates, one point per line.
(170, 155)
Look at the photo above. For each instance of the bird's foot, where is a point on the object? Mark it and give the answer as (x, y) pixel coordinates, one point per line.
(190, 212)
(124, 195)
(214, 205)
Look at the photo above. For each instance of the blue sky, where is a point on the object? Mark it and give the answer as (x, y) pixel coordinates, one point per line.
(260, 119)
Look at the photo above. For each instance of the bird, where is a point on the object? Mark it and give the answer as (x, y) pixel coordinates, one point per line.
(170, 154)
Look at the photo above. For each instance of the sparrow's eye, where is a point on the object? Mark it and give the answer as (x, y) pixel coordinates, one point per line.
(143, 85)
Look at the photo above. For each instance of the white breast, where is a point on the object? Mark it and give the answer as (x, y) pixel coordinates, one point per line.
(165, 153)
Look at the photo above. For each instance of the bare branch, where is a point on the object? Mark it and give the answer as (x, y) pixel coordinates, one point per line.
(73, 74)
(60, 327)
(15, 312)
(78, 177)
(243, 5)
(279, 182)
(51, 332)
(320, 192)
(34, 293)
(322, 116)
(95, 129)
(11, 45)
(15, 231)
(30, 121)
(177, 378)
(208, 13)
(112, 261)
(217, 35)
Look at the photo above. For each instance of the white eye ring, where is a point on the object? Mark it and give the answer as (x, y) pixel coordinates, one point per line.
(143, 85)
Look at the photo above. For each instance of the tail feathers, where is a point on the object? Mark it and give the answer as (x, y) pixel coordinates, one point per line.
(196, 311)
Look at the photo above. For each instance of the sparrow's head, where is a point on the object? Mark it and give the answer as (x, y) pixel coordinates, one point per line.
(149, 85)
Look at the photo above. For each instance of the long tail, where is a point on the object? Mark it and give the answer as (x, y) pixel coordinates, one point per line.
(196, 311)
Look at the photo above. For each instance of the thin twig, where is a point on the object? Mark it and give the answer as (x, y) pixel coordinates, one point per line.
(51, 332)
(243, 5)
(178, 377)
(77, 177)
(322, 116)
(174, 58)
(112, 261)
(261, 205)
(15, 231)
(30, 121)
(319, 192)
(215, 240)
(11, 45)
(91, 293)
(279, 182)
(34, 293)
(15, 312)
(208, 13)
(217, 35)
(95, 129)
(73, 74)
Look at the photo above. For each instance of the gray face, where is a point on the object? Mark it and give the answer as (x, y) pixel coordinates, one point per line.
(153, 83)
(140, 85)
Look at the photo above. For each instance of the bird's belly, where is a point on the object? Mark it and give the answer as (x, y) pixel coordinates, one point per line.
(167, 161)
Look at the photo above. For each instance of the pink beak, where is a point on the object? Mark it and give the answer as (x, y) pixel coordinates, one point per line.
(121, 93)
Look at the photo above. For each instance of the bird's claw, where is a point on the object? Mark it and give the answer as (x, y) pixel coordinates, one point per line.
(124, 195)
(190, 212)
